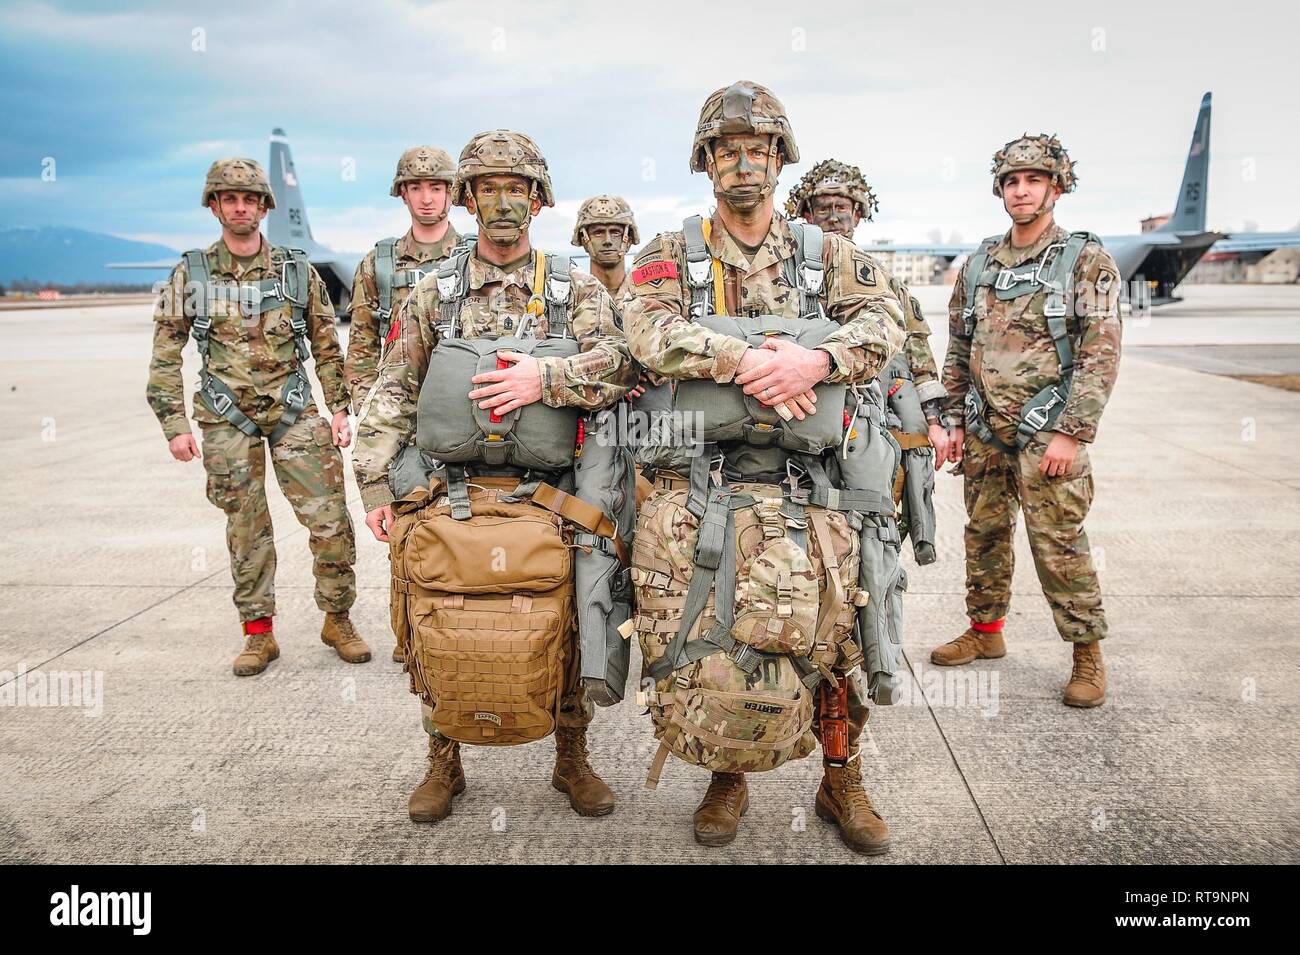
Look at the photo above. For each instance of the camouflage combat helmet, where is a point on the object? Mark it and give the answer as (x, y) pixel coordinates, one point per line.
(237, 175)
(1042, 153)
(605, 210)
(743, 107)
(831, 178)
(501, 152)
(423, 162)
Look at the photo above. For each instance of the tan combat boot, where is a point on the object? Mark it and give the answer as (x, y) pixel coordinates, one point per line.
(971, 645)
(718, 816)
(444, 781)
(573, 776)
(259, 650)
(843, 802)
(398, 655)
(339, 633)
(1087, 686)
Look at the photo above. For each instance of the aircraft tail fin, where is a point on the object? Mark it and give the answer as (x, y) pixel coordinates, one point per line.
(1189, 210)
(287, 222)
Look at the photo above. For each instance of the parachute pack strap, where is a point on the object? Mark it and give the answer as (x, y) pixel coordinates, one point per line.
(979, 261)
(293, 399)
(196, 267)
(709, 546)
(977, 425)
(700, 480)
(910, 441)
(558, 293)
(1059, 275)
(587, 516)
(295, 282)
(213, 392)
(699, 265)
(458, 493)
(812, 270)
(827, 610)
(453, 286)
(385, 266)
(715, 270)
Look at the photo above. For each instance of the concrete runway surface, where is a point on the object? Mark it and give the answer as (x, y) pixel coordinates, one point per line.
(113, 569)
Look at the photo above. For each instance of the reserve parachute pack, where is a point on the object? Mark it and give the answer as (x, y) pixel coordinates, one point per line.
(1053, 271)
(751, 592)
(485, 566)
(292, 289)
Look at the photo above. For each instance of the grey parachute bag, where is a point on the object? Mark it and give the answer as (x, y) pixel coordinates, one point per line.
(868, 461)
(907, 418)
(604, 474)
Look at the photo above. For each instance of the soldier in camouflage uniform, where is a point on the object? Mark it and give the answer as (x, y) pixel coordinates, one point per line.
(502, 179)
(836, 197)
(742, 141)
(423, 182)
(606, 230)
(253, 361)
(1002, 353)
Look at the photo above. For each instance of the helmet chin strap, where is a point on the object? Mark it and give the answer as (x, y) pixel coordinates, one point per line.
(430, 220)
(1044, 207)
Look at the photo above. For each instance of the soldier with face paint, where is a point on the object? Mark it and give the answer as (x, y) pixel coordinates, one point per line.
(501, 178)
(836, 197)
(1032, 358)
(742, 142)
(606, 230)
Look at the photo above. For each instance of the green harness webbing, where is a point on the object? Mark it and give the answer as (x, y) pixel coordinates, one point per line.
(805, 270)
(388, 277)
(253, 296)
(453, 289)
(1053, 270)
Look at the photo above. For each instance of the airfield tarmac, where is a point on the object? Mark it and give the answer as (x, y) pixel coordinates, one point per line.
(113, 567)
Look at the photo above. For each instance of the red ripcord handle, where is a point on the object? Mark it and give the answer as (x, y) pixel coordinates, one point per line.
(493, 416)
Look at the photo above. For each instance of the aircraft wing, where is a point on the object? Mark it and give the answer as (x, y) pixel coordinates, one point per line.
(944, 251)
(167, 264)
(1257, 242)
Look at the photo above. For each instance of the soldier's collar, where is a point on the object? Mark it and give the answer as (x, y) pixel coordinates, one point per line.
(408, 248)
(225, 259)
(1002, 251)
(481, 273)
(774, 248)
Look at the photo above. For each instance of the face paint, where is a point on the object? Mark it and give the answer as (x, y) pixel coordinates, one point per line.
(743, 170)
(833, 214)
(606, 244)
(503, 208)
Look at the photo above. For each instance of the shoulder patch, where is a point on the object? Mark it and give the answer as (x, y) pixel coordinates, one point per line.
(654, 273)
(863, 270)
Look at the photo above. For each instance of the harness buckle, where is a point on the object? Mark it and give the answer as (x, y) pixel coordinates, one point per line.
(558, 289)
(698, 272)
(1008, 278)
(812, 276)
(448, 285)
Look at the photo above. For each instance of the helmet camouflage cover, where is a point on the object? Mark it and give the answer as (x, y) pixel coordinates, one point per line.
(739, 109)
(501, 152)
(831, 178)
(423, 162)
(237, 175)
(1042, 153)
(605, 210)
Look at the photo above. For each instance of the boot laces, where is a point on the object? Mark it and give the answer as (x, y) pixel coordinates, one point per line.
(347, 633)
(256, 643)
(724, 790)
(850, 792)
(442, 764)
(573, 748)
(1085, 668)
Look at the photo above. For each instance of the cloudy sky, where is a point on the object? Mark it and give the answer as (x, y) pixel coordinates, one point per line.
(132, 101)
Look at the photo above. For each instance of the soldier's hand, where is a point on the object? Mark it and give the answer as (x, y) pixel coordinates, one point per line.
(791, 371)
(509, 388)
(639, 388)
(341, 428)
(379, 520)
(956, 445)
(183, 447)
(1059, 456)
(802, 405)
(939, 438)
